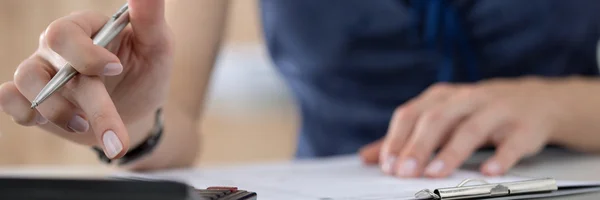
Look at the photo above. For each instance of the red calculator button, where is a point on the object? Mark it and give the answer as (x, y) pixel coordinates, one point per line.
(232, 189)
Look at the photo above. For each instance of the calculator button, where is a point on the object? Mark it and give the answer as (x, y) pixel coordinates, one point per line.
(232, 189)
(213, 194)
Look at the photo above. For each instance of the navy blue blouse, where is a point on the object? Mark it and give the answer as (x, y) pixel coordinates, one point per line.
(350, 63)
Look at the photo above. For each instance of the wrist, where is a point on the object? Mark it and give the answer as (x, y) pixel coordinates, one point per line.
(141, 129)
(577, 100)
(178, 146)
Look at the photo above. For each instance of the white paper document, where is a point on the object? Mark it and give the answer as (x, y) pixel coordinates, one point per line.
(341, 178)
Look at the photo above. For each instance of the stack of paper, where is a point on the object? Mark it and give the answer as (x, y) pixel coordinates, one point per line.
(341, 178)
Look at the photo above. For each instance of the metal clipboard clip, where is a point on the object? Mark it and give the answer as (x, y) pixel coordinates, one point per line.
(488, 190)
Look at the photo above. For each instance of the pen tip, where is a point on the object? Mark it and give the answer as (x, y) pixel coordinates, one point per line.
(34, 105)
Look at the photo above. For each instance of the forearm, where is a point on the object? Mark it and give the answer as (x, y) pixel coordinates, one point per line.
(581, 117)
(197, 27)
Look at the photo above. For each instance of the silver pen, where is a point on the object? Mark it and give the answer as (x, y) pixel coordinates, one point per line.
(111, 29)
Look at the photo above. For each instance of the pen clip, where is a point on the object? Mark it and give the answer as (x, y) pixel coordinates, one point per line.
(121, 11)
(489, 189)
(113, 27)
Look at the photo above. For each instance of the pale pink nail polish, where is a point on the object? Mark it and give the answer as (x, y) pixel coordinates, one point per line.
(493, 168)
(113, 69)
(435, 168)
(388, 164)
(78, 124)
(112, 144)
(407, 168)
(41, 120)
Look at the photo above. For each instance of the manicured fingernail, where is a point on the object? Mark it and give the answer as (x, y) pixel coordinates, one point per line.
(387, 164)
(493, 168)
(78, 124)
(408, 167)
(435, 168)
(41, 120)
(113, 69)
(112, 144)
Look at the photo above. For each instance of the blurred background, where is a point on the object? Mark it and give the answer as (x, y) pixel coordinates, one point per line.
(249, 115)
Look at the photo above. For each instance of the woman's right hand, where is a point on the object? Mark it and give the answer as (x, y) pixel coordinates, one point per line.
(118, 87)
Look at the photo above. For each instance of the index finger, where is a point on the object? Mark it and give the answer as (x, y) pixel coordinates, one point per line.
(90, 94)
(403, 122)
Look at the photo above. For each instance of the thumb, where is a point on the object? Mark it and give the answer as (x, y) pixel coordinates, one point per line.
(370, 152)
(148, 21)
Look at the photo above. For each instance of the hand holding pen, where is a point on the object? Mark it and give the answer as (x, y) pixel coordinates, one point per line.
(93, 76)
(109, 31)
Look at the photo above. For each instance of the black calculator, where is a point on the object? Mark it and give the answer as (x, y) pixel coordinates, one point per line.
(109, 189)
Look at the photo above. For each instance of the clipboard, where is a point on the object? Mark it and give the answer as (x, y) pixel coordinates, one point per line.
(534, 188)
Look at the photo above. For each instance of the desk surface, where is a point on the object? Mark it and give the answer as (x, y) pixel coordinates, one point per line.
(563, 165)
(554, 163)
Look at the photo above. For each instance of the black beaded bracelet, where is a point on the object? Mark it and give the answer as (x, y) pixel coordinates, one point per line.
(140, 150)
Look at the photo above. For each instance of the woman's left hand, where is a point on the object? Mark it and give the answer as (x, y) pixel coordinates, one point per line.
(518, 116)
